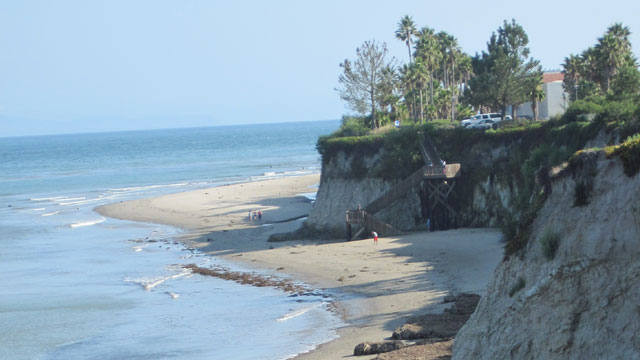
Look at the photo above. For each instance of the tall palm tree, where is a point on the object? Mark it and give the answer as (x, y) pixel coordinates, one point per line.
(428, 50)
(571, 69)
(537, 95)
(612, 52)
(406, 31)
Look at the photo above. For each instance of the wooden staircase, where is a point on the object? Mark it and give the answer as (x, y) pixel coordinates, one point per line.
(434, 168)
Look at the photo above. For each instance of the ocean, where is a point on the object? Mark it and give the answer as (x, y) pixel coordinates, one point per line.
(76, 285)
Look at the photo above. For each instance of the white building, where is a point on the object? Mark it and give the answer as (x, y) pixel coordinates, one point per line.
(555, 98)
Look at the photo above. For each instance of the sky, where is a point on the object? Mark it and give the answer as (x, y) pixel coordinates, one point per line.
(90, 66)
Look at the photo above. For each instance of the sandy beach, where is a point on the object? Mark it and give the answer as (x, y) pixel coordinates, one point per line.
(377, 287)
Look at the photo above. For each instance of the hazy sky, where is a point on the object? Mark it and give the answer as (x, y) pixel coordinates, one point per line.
(85, 66)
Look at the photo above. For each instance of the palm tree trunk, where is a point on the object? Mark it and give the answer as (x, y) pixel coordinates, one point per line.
(453, 95)
(421, 108)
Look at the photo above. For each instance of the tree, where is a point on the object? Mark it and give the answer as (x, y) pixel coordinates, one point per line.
(613, 51)
(504, 73)
(363, 80)
(571, 69)
(406, 31)
(626, 83)
(599, 65)
(536, 95)
(428, 51)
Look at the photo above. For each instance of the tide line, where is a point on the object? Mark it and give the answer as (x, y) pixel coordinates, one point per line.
(297, 313)
(87, 223)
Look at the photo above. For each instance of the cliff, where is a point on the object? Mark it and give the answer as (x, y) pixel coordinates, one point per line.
(495, 186)
(571, 292)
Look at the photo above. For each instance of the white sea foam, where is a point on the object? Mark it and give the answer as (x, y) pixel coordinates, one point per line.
(47, 198)
(139, 247)
(139, 188)
(299, 312)
(173, 295)
(150, 283)
(84, 201)
(39, 209)
(87, 223)
(52, 213)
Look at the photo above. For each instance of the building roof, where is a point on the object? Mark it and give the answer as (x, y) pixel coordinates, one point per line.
(552, 77)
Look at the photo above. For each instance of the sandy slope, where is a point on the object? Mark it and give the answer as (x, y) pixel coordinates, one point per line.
(377, 286)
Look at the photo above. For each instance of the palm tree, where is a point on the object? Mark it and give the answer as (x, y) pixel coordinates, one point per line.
(612, 52)
(406, 31)
(571, 69)
(536, 95)
(429, 52)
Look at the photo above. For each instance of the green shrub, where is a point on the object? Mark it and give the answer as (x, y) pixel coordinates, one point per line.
(579, 108)
(519, 285)
(352, 126)
(629, 152)
(550, 241)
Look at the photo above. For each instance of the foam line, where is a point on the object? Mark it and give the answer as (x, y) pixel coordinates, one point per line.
(297, 313)
(87, 223)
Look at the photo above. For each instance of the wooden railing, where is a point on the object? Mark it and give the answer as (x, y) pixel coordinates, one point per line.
(370, 223)
(442, 171)
(397, 191)
(432, 170)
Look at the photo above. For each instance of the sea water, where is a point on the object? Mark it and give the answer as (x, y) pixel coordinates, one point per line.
(76, 285)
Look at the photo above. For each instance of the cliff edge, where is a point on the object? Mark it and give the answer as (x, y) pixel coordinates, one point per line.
(573, 290)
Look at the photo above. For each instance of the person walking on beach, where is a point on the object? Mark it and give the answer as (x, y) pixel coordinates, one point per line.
(249, 215)
(375, 237)
(259, 214)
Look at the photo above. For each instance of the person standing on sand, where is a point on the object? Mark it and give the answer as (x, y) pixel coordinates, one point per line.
(249, 215)
(375, 237)
(259, 214)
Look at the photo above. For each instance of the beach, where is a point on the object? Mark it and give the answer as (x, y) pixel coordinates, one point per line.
(375, 287)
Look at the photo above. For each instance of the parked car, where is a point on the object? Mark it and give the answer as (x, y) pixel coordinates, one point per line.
(486, 124)
(476, 119)
(469, 122)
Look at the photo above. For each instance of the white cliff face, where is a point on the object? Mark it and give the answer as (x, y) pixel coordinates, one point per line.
(584, 303)
(339, 193)
(337, 196)
(491, 202)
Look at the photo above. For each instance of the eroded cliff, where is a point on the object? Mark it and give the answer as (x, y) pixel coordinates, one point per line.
(572, 292)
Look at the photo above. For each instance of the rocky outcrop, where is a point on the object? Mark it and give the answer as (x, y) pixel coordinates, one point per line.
(439, 326)
(370, 348)
(572, 293)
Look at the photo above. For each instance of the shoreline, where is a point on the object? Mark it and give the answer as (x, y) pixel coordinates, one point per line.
(375, 287)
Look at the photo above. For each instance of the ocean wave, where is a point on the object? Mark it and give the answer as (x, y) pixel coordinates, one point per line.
(52, 213)
(172, 294)
(87, 223)
(150, 283)
(85, 201)
(140, 188)
(299, 312)
(53, 198)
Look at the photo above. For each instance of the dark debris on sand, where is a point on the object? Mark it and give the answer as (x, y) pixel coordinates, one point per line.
(432, 334)
(254, 279)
